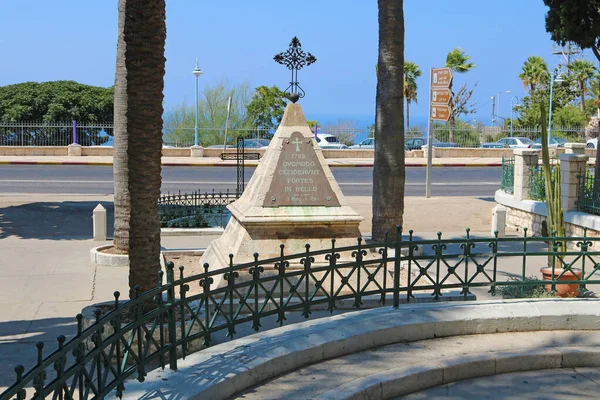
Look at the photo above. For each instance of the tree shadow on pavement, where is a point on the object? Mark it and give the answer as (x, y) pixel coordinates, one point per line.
(52, 220)
(18, 339)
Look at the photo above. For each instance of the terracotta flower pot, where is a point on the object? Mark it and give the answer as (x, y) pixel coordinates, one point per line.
(563, 290)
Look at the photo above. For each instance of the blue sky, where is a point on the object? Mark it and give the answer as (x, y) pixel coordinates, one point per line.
(235, 41)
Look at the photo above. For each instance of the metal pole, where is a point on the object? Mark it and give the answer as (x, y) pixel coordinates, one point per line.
(74, 132)
(493, 110)
(498, 113)
(227, 124)
(196, 125)
(511, 119)
(429, 144)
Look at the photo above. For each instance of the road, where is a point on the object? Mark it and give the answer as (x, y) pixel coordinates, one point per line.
(63, 179)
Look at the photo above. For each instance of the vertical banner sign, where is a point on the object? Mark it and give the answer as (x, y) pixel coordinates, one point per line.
(439, 110)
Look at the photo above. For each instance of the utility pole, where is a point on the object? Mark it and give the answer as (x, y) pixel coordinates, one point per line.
(493, 110)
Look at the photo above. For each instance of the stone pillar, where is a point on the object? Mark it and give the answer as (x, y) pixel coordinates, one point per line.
(575, 148)
(572, 166)
(196, 151)
(425, 151)
(525, 159)
(99, 219)
(499, 220)
(74, 149)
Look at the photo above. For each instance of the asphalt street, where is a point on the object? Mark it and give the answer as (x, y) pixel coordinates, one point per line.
(63, 179)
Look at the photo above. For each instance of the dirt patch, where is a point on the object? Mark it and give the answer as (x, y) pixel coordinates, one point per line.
(112, 250)
(191, 264)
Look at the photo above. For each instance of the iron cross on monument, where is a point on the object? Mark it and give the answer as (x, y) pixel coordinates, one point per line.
(294, 59)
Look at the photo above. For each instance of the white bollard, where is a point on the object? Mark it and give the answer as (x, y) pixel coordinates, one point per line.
(499, 220)
(99, 218)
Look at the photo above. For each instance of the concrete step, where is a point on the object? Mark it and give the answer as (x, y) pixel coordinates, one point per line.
(395, 365)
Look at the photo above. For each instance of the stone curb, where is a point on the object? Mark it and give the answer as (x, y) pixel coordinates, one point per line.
(332, 165)
(221, 371)
(190, 231)
(416, 377)
(111, 260)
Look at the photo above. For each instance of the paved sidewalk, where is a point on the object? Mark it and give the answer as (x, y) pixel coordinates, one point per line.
(216, 161)
(46, 276)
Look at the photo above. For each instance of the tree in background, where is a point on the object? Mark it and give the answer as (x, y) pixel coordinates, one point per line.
(411, 73)
(139, 109)
(534, 73)
(563, 94)
(266, 108)
(57, 101)
(458, 61)
(577, 21)
(388, 171)
(344, 130)
(582, 71)
(212, 114)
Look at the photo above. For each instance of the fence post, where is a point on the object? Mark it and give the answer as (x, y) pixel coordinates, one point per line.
(572, 166)
(75, 132)
(575, 148)
(525, 159)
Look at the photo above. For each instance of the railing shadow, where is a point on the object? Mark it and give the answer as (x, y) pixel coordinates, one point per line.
(67, 220)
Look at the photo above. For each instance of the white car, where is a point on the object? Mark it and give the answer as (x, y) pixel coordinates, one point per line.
(329, 142)
(517, 142)
(368, 143)
(592, 143)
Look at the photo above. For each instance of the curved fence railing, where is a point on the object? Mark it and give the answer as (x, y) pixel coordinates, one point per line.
(187, 313)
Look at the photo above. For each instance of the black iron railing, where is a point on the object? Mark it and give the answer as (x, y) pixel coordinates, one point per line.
(196, 209)
(189, 312)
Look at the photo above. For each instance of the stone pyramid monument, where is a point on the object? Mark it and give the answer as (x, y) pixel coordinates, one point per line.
(292, 199)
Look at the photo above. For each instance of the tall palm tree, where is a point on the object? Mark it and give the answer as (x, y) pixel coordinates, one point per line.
(139, 83)
(458, 61)
(411, 73)
(582, 71)
(534, 73)
(388, 171)
(120, 143)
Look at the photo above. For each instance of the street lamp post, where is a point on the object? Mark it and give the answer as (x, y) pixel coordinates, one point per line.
(197, 72)
(499, 93)
(555, 77)
(514, 101)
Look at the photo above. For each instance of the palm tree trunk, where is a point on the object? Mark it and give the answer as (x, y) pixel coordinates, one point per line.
(388, 171)
(407, 115)
(120, 143)
(582, 105)
(145, 35)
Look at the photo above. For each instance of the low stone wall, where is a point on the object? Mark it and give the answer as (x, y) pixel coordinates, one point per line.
(33, 150)
(458, 152)
(531, 214)
(97, 151)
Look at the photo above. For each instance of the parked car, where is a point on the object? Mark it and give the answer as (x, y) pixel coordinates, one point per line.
(368, 143)
(512, 142)
(554, 142)
(418, 143)
(592, 143)
(326, 141)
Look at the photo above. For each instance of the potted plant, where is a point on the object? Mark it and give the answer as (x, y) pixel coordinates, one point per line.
(556, 223)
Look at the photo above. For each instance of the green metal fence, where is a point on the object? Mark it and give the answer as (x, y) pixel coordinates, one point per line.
(537, 186)
(586, 200)
(189, 312)
(195, 210)
(507, 181)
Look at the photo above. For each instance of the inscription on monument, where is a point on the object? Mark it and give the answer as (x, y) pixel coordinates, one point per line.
(299, 179)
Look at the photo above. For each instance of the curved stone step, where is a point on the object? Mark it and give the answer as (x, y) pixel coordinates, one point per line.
(230, 368)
